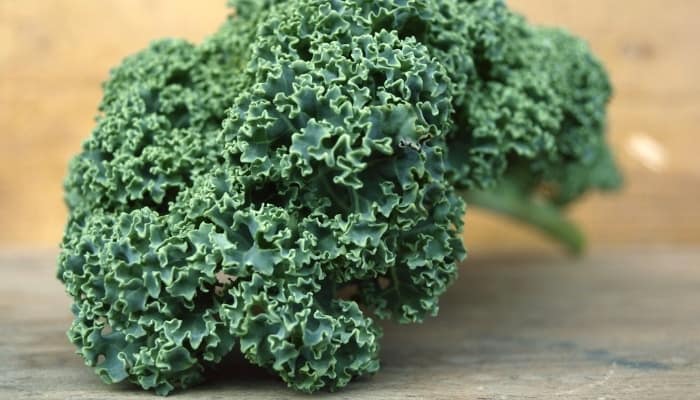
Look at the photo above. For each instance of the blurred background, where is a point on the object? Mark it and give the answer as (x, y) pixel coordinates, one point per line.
(55, 53)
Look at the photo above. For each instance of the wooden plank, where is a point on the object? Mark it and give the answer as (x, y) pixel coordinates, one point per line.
(613, 325)
(55, 53)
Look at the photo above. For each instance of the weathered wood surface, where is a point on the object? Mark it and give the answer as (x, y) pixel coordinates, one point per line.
(55, 53)
(613, 325)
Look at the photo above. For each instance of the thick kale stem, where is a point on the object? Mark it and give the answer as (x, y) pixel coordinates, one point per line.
(545, 217)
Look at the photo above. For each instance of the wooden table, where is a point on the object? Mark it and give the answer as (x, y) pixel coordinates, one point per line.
(621, 324)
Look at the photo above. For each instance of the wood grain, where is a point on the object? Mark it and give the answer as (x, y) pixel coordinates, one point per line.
(616, 325)
(55, 53)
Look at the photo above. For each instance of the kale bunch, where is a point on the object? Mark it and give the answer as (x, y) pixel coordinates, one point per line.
(278, 188)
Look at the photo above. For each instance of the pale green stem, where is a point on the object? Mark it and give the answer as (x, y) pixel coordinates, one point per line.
(539, 214)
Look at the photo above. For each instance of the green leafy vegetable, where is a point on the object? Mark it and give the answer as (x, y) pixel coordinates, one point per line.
(234, 192)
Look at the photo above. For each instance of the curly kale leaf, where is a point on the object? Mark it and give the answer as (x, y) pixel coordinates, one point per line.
(234, 192)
